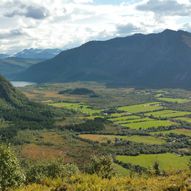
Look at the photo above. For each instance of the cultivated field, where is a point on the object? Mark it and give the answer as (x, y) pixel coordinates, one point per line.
(140, 108)
(135, 124)
(174, 100)
(113, 138)
(167, 114)
(167, 161)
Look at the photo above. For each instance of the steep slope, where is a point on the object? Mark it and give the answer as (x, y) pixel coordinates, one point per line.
(154, 60)
(10, 95)
(17, 112)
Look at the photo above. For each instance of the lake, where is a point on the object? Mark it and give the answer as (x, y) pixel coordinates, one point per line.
(21, 83)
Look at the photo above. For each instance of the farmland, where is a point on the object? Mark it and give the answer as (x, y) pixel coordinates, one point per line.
(165, 161)
(184, 119)
(140, 108)
(149, 124)
(167, 114)
(135, 125)
(113, 138)
(85, 109)
(185, 132)
(174, 100)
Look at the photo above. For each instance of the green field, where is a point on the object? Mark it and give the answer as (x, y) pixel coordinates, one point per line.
(186, 132)
(120, 114)
(166, 161)
(135, 138)
(82, 108)
(149, 124)
(184, 119)
(3, 123)
(140, 108)
(120, 170)
(129, 115)
(167, 114)
(174, 100)
(144, 119)
(125, 118)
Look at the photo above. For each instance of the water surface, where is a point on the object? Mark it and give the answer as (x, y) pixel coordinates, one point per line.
(21, 83)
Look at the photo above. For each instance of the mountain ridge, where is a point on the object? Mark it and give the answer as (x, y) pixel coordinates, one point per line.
(37, 53)
(142, 60)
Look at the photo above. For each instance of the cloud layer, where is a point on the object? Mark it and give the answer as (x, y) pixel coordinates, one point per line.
(68, 23)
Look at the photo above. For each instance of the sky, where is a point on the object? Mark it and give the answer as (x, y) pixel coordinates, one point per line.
(69, 23)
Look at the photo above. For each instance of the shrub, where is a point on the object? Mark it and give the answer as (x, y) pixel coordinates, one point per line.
(11, 174)
(53, 169)
(102, 166)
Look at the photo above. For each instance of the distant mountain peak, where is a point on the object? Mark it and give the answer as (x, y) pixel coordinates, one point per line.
(169, 31)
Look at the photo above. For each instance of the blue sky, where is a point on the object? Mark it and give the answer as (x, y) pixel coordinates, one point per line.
(69, 23)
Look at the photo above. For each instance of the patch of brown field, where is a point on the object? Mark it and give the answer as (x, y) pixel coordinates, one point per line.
(30, 95)
(94, 137)
(51, 94)
(36, 152)
(52, 138)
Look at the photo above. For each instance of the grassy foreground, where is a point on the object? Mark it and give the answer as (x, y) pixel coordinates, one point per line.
(82, 182)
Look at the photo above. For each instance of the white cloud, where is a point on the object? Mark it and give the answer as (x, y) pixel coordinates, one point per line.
(68, 23)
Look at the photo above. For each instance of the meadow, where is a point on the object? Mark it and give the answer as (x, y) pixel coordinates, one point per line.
(133, 121)
(112, 138)
(168, 114)
(184, 119)
(186, 132)
(78, 107)
(174, 100)
(140, 108)
(164, 160)
(149, 124)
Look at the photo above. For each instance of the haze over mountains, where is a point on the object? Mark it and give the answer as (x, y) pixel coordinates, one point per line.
(153, 60)
(11, 64)
(35, 53)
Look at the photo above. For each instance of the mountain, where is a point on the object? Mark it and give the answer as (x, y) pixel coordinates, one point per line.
(18, 113)
(9, 96)
(3, 56)
(153, 61)
(9, 66)
(32, 53)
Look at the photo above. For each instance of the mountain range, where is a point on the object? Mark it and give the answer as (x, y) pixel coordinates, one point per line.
(11, 64)
(35, 53)
(155, 60)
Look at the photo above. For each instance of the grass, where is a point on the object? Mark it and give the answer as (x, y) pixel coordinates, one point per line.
(121, 114)
(174, 100)
(125, 118)
(135, 138)
(140, 108)
(120, 171)
(149, 124)
(168, 114)
(82, 108)
(3, 123)
(184, 119)
(186, 132)
(40, 152)
(167, 161)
